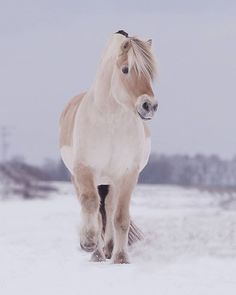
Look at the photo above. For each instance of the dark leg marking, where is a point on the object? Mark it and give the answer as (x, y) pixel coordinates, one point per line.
(103, 192)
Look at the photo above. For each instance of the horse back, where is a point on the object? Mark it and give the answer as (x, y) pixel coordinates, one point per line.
(67, 120)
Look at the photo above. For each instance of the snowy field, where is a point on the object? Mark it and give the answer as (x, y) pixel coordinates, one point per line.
(189, 246)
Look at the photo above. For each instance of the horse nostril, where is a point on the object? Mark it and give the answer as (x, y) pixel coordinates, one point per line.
(146, 106)
(155, 107)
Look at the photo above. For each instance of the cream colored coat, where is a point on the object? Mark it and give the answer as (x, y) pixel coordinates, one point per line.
(103, 140)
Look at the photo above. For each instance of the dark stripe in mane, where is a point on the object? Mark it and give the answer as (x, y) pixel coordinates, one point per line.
(122, 33)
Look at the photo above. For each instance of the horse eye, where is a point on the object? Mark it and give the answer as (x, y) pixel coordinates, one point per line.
(125, 70)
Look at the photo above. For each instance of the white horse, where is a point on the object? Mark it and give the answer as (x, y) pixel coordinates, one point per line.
(105, 143)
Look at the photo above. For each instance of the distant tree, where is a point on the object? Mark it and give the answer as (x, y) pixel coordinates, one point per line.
(55, 170)
(158, 170)
(62, 172)
(200, 170)
(21, 179)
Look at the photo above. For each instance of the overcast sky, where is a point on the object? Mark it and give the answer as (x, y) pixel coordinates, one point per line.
(49, 52)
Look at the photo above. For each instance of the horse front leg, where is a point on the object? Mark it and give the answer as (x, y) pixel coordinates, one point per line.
(91, 223)
(122, 218)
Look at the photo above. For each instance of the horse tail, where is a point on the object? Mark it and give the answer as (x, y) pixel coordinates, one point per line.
(134, 235)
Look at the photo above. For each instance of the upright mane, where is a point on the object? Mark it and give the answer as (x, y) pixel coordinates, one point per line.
(140, 57)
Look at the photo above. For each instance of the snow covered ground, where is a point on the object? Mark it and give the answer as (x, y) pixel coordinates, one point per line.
(189, 246)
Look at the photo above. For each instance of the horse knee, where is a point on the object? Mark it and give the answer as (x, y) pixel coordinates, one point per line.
(121, 221)
(83, 180)
(89, 202)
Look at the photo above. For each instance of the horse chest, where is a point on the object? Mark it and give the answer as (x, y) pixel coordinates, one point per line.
(112, 146)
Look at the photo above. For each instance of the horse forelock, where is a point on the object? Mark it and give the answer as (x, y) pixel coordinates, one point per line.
(140, 57)
(138, 54)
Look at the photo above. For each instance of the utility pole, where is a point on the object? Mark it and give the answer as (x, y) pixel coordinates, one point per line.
(4, 137)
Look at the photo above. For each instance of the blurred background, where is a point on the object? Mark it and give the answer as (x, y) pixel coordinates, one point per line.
(43, 49)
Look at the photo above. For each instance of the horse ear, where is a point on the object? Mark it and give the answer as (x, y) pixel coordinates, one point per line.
(149, 42)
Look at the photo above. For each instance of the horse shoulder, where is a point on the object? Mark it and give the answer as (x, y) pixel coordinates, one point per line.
(67, 120)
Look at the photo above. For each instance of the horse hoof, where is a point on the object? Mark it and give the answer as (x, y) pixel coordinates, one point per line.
(120, 258)
(88, 247)
(108, 255)
(98, 256)
(108, 249)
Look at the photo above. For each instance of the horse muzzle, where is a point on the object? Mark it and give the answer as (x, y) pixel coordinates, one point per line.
(147, 109)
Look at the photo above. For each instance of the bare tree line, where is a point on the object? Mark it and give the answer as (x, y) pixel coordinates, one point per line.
(199, 170)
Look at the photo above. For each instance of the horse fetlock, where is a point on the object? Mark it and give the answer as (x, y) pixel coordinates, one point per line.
(88, 239)
(89, 203)
(98, 256)
(120, 257)
(121, 223)
(108, 248)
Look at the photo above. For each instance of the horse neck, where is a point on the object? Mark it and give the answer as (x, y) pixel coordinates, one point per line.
(101, 89)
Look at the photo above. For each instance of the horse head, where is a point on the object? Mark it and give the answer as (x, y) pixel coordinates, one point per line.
(133, 71)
